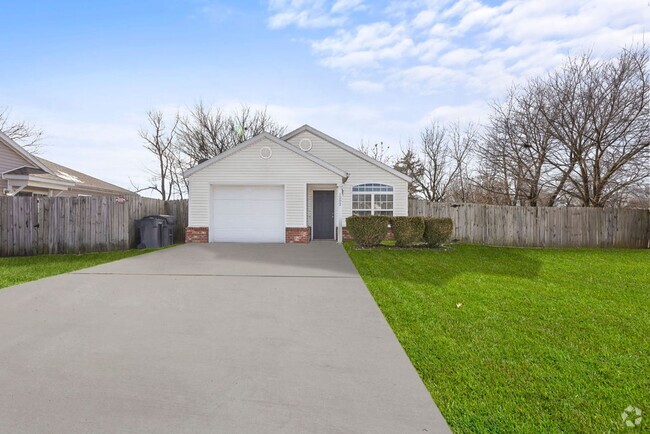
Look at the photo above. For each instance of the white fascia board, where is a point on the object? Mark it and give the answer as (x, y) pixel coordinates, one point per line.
(22, 152)
(40, 182)
(350, 149)
(275, 140)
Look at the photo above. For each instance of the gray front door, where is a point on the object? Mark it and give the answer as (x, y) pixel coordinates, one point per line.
(323, 215)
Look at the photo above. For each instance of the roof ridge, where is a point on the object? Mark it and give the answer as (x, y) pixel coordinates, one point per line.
(348, 148)
(271, 137)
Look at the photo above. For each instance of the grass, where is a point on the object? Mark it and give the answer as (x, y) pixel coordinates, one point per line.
(546, 340)
(23, 269)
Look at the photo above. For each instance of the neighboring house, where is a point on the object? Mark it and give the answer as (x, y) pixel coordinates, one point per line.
(24, 174)
(292, 189)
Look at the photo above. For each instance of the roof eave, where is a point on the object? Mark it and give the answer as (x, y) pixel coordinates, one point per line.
(276, 140)
(22, 152)
(348, 148)
(30, 179)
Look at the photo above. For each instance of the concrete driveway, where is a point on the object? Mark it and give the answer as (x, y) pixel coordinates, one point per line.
(207, 338)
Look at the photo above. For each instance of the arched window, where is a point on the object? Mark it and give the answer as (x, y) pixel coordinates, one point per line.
(372, 199)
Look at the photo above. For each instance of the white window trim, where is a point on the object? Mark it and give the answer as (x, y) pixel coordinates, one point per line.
(372, 199)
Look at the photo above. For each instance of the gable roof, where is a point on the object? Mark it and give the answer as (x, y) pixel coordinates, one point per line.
(51, 171)
(345, 147)
(5, 139)
(249, 142)
(81, 180)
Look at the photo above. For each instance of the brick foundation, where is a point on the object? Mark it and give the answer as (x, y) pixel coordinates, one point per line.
(298, 235)
(196, 235)
(348, 237)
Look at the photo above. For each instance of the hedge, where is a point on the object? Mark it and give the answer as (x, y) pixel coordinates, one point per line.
(407, 230)
(367, 231)
(437, 231)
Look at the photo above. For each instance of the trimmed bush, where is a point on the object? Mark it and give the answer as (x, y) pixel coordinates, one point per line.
(437, 231)
(367, 231)
(407, 230)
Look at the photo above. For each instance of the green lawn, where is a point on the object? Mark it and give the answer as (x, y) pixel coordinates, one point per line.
(26, 268)
(546, 340)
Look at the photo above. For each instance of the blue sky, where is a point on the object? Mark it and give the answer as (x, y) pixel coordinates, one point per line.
(86, 72)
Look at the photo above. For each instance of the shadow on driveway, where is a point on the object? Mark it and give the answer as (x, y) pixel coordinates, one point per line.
(317, 259)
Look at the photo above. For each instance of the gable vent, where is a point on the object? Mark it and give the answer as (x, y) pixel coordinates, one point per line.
(266, 152)
(305, 144)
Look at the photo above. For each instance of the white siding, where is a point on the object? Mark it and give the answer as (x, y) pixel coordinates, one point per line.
(361, 172)
(246, 167)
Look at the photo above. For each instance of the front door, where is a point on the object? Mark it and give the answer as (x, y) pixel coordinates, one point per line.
(323, 215)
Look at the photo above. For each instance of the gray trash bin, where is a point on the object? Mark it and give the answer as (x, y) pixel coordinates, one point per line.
(156, 231)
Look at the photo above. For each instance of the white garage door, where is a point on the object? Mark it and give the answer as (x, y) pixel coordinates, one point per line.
(247, 214)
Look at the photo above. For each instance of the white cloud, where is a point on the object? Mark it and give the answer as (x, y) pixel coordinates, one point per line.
(365, 47)
(426, 80)
(365, 86)
(311, 13)
(426, 46)
(429, 50)
(425, 18)
(346, 5)
(459, 57)
(303, 19)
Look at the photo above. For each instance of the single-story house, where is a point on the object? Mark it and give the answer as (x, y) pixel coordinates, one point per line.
(293, 189)
(25, 174)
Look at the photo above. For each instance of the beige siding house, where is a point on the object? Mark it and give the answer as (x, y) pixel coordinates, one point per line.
(296, 188)
(24, 174)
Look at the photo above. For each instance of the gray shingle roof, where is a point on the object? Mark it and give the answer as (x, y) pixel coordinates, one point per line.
(82, 181)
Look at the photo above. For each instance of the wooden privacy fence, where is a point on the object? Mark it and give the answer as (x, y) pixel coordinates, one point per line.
(42, 225)
(177, 208)
(542, 226)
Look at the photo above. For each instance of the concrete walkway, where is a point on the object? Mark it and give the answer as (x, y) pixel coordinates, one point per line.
(207, 338)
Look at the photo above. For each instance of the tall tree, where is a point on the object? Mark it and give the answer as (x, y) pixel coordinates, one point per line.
(439, 165)
(201, 134)
(206, 132)
(599, 112)
(159, 139)
(577, 136)
(515, 149)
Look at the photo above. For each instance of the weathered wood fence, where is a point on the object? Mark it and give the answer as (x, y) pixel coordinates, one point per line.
(42, 225)
(542, 226)
(177, 208)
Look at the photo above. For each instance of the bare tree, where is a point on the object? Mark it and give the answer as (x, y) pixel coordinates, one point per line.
(440, 163)
(463, 142)
(515, 149)
(203, 133)
(599, 113)
(378, 151)
(26, 135)
(579, 136)
(207, 132)
(159, 139)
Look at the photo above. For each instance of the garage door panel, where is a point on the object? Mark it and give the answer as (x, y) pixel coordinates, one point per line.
(247, 214)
